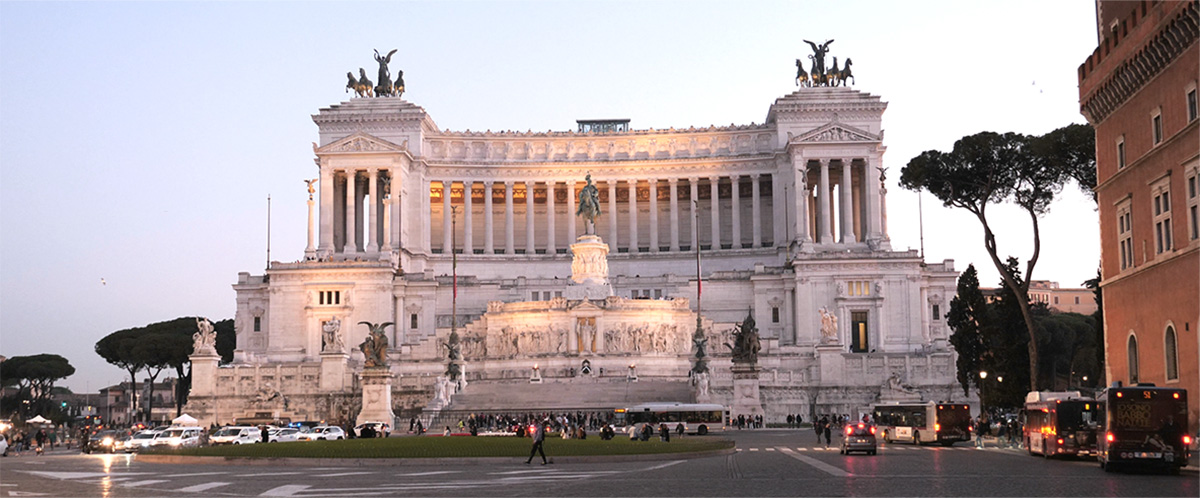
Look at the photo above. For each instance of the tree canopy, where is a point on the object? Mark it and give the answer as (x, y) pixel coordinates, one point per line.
(992, 168)
(35, 376)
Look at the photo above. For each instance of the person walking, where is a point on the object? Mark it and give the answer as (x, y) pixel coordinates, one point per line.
(817, 429)
(825, 423)
(980, 429)
(539, 436)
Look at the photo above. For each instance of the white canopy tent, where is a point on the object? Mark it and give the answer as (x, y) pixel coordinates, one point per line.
(184, 419)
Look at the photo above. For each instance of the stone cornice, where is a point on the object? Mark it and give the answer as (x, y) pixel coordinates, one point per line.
(599, 147)
(1176, 36)
(660, 169)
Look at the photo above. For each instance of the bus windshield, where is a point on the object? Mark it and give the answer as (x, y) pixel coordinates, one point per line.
(1075, 415)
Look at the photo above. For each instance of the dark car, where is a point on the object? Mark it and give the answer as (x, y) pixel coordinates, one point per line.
(104, 441)
(859, 437)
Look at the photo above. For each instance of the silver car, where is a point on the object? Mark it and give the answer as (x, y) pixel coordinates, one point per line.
(323, 432)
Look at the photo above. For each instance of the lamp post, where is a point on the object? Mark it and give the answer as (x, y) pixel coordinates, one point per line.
(982, 377)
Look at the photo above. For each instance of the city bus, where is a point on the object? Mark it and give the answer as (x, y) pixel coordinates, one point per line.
(697, 418)
(1060, 423)
(921, 423)
(1143, 425)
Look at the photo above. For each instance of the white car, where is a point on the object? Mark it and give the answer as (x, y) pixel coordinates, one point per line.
(284, 435)
(179, 437)
(236, 434)
(140, 441)
(325, 432)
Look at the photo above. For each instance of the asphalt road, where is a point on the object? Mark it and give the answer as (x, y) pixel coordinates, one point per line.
(766, 463)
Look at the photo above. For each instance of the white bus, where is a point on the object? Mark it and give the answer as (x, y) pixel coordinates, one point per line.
(697, 418)
(920, 423)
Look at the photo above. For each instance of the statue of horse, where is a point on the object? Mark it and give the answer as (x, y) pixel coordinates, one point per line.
(846, 74)
(398, 87)
(589, 206)
(834, 73)
(818, 77)
(801, 76)
(364, 86)
(352, 84)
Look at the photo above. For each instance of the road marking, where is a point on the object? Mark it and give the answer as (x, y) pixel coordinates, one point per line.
(433, 473)
(822, 466)
(515, 472)
(270, 474)
(346, 474)
(285, 490)
(25, 493)
(79, 475)
(195, 474)
(147, 482)
(753, 449)
(664, 465)
(770, 449)
(802, 449)
(203, 487)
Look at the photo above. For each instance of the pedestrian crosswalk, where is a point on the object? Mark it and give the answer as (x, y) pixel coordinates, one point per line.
(883, 448)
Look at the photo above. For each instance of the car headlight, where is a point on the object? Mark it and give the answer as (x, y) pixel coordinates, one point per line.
(108, 441)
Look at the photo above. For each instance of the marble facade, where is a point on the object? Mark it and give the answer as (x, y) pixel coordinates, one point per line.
(789, 217)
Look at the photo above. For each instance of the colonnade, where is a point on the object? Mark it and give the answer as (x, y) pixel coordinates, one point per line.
(356, 211)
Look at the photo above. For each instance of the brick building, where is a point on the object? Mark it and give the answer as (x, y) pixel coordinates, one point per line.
(1138, 89)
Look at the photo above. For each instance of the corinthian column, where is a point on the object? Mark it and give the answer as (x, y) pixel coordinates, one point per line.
(715, 181)
(509, 247)
(694, 186)
(530, 247)
(633, 221)
(489, 238)
(755, 212)
(673, 183)
(612, 215)
(735, 209)
(550, 242)
(446, 227)
(653, 215)
(846, 192)
(351, 178)
(571, 212)
(372, 225)
(826, 217)
(468, 219)
(326, 246)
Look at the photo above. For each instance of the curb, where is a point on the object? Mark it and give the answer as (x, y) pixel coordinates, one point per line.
(401, 462)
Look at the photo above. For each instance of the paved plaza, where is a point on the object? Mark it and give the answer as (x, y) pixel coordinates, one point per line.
(765, 463)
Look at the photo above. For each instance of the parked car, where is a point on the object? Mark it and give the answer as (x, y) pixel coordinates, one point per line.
(103, 441)
(859, 437)
(3, 445)
(284, 435)
(236, 434)
(140, 441)
(179, 437)
(381, 429)
(325, 432)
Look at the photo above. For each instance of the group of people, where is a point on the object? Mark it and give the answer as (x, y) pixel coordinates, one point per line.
(744, 422)
(1008, 432)
(824, 426)
(23, 441)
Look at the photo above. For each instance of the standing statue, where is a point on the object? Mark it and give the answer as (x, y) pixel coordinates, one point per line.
(819, 52)
(374, 347)
(829, 333)
(311, 190)
(384, 89)
(589, 206)
(205, 339)
(331, 338)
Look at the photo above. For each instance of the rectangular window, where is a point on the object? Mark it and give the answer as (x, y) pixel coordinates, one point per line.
(1161, 194)
(1125, 234)
(657, 293)
(1193, 185)
(412, 321)
(258, 324)
(633, 294)
(1076, 299)
(1055, 299)
(1156, 123)
(329, 298)
(774, 314)
(859, 341)
(1191, 105)
(937, 312)
(1121, 153)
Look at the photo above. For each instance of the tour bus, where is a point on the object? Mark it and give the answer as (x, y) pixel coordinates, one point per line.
(1060, 423)
(921, 423)
(1143, 425)
(698, 418)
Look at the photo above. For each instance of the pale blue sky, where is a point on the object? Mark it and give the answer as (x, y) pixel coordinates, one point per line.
(139, 141)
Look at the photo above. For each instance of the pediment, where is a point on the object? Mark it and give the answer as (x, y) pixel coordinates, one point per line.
(586, 305)
(361, 142)
(836, 132)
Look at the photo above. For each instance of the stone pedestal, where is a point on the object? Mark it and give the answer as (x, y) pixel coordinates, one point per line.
(833, 364)
(204, 373)
(746, 400)
(333, 371)
(589, 270)
(376, 397)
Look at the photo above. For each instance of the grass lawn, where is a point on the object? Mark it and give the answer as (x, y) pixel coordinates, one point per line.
(447, 447)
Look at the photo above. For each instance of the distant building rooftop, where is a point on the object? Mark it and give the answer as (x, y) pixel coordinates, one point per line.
(602, 125)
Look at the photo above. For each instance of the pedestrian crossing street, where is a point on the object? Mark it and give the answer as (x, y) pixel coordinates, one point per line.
(330, 481)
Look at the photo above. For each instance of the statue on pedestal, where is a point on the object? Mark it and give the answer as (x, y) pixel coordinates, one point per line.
(205, 339)
(589, 206)
(745, 343)
(374, 347)
(829, 334)
(331, 338)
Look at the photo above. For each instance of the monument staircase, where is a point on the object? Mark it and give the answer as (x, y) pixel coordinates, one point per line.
(558, 396)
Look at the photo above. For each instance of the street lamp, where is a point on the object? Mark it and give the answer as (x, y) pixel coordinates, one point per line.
(983, 374)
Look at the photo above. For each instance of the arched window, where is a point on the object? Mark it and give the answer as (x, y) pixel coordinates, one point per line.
(1170, 350)
(1132, 355)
